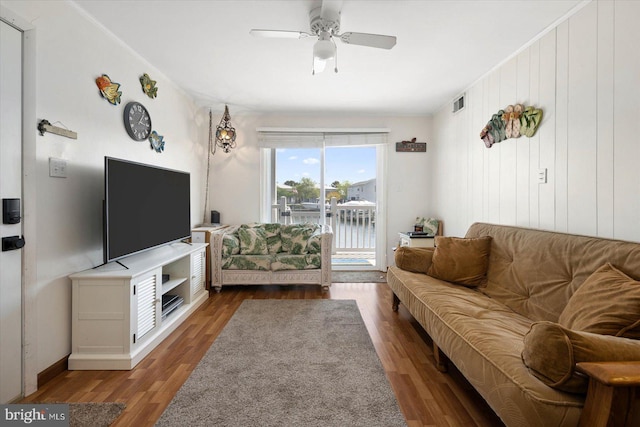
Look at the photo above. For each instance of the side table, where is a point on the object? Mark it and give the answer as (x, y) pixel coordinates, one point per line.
(414, 240)
(202, 234)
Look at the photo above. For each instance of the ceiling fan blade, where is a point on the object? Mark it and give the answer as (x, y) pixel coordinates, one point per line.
(280, 34)
(371, 40)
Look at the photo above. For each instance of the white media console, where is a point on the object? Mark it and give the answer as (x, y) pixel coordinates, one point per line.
(117, 313)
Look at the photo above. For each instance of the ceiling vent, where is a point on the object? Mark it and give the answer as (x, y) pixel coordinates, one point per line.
(458, 104)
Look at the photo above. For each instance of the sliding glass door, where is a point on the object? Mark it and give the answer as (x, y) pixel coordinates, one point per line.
(335, 185)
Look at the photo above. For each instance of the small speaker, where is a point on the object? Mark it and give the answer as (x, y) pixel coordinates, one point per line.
(215, 217)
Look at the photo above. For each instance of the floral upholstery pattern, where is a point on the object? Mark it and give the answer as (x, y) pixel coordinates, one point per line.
(230, 245)
(314, 243)
(295, 237)
(272, 246)
(284, 261)
(274, 242)
(247, 262)
(253, 241)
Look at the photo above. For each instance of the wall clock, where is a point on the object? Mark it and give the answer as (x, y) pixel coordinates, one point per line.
(137, 121)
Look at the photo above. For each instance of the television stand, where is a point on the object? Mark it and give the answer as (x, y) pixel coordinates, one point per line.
(117, 314)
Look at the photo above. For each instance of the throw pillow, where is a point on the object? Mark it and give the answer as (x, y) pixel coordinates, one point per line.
(551, 352)
(607, 303)
(230, 245)
(431, 226)
(314, 244)
(274, 242)
(461, 260)
(417, 260)
(295, 237)
(253, 241)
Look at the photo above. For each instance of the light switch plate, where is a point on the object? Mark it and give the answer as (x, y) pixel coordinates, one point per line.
(57, 168)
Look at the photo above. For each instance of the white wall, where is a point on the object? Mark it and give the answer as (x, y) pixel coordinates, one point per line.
(235, 183)
(585, 75)
(71, 52)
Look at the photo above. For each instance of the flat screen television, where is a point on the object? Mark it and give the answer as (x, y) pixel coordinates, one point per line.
(145, 207)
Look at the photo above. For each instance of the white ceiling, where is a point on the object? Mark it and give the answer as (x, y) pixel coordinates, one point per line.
(442, 48)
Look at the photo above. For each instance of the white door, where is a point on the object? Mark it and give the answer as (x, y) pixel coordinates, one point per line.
(10, 187)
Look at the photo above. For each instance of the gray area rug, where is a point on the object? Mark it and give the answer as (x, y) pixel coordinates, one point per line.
(89, 414)
(343, 276)
(288, 363)
(94, 414)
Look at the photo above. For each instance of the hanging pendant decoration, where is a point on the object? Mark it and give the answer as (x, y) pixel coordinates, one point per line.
(225, 137)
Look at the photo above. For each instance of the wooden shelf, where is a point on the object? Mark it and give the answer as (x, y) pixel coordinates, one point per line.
(170, 284)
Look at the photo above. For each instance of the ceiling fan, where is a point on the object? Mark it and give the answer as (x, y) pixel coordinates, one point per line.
(325, 25)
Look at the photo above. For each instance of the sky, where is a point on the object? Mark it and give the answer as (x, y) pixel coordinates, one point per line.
(353, 164)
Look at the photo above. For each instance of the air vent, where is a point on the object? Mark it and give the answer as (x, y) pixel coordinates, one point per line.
(458, 104)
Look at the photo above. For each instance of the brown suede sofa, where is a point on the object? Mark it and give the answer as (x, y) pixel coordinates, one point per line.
(527, 316)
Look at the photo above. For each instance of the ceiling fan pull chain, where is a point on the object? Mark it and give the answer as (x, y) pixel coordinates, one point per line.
(335, 64)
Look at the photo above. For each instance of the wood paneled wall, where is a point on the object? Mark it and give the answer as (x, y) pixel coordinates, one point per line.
(585, 75)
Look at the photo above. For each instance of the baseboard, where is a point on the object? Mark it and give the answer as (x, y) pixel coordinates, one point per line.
(49, 373)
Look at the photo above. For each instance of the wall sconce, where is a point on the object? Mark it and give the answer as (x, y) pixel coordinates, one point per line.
(225, 133)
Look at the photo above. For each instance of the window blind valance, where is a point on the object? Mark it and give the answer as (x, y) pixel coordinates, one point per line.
(318, 138)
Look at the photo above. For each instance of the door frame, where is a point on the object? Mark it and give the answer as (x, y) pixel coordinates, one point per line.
(29, 179)
(267, 191)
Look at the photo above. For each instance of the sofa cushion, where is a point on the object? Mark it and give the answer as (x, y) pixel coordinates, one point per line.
(285, 261)
(314, 261)
(314, 244)
(608, 302)
(230, 245)
(552, 351)
(295, 237)
(484, 339)
(459, 260)
(535, 272)
(417, 260)
(247, 262)
(253, 241)
(272, 233)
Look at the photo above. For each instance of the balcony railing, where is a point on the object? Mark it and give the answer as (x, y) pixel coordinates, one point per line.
(353, 223)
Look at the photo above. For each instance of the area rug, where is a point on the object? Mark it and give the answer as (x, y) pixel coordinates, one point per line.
(94, 414)
(350, 261)
(89, 414)
(344, 276)
(288, 363)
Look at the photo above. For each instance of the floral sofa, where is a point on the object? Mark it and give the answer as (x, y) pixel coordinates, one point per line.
(544, 325)
(271, 253)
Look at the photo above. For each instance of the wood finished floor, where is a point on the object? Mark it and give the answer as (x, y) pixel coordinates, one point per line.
(426, 396)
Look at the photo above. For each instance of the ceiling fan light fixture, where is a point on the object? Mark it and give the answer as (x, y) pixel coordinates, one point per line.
(324, 49)
(318, 65)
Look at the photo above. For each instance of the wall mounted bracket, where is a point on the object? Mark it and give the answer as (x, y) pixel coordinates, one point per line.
(45, 126)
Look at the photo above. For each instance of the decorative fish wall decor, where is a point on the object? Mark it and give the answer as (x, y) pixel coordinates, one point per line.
(148, 86)
(108, 89)
(157, 142)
